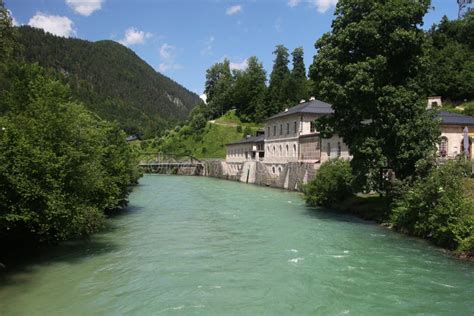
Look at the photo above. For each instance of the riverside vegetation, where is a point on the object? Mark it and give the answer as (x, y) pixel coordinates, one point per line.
(61, 166)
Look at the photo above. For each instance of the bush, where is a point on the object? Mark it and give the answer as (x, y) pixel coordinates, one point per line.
(239, 129)
(60, 166)
(437, 207)
(333, 183)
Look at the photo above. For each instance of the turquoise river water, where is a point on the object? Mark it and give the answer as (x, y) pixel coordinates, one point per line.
(195, 245)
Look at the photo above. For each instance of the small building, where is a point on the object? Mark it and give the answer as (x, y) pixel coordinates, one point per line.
(291, 136)
(454, 127)
(248, 149)
(434, 102)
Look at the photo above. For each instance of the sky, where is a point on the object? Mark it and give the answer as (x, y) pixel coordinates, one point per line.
(183, 38)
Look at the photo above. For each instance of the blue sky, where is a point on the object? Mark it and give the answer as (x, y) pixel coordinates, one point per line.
(182, 38)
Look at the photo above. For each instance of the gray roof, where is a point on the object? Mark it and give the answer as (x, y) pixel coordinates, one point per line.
(449, 118)
(310, 107)
(253, 139)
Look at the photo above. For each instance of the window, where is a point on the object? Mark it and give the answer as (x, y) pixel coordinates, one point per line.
(273, 150)
(281, 129)
(268, 131)
(339, 149)
(274, 130)
(294, 150)
(329, 150)
(273, 169)
(296, 127)
(287, 128)
(313, 127)
(287, 151)
(279, 153)
(443, 146)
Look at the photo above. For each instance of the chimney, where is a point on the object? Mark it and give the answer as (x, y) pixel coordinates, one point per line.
(312, 98)
(286, 110)
(302, 101)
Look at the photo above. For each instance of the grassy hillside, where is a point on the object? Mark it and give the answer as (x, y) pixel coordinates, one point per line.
(111, 80)
(207, 143)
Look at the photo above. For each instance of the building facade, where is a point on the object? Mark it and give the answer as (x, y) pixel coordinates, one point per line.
(291, 137)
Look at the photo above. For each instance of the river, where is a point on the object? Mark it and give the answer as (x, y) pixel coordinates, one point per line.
(196, 245)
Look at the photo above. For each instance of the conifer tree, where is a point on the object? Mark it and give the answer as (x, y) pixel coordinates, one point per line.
(298, 86)
(277, 94)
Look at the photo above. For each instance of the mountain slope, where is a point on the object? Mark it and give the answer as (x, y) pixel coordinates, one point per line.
(111, 80)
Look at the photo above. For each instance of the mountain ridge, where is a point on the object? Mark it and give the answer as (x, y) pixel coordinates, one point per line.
(111, 80)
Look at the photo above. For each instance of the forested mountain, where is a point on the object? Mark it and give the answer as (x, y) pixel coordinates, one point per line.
(111, 80)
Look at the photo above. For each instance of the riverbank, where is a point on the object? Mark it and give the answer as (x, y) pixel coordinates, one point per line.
(376, 208)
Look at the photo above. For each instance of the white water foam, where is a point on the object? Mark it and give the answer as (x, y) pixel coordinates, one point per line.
(295, 260)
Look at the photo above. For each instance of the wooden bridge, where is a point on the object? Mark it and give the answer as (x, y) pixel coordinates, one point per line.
(172, 164)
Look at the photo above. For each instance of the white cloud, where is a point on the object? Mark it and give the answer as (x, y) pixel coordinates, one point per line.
(55, 24)
(321, 5)
(168, 55)
(293, 3)
(14, 21)
(167, 51)
(166, 66)
(233, 9)
(134, 36)
(85, 7)
(239, 66)
(208, 45)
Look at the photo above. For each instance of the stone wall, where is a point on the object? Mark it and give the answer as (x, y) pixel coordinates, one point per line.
(293, 176)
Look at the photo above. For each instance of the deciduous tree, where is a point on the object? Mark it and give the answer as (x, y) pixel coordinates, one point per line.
(372, 68)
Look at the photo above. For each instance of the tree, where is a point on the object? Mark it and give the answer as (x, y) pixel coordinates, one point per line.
(60, 166)
(277, 94)
(218, 87)
(452, 58)
(462, 4)
(371, 67)
(298, 86)
(249, 90)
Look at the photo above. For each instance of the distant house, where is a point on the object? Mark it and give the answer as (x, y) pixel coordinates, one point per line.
(291, 136)
(249, 148)
(454, 127)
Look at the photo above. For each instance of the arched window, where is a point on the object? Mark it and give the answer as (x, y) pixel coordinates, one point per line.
(280, 152)
(443, 146)
(294, 150)
(339, 149)
(274, 151)
(279, 170)
(287, 153)
(273, 169)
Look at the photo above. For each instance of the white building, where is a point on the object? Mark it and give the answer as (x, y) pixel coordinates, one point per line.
(291, 136)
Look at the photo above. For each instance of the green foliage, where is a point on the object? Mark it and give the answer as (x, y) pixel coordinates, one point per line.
(452, 58)
(332, 184)
(218, 88)
(277, 94)
(111, 80)
(298, 87)
(437, 207)
(60, 166)
(249, 90)
(372, 68)
(209, 142)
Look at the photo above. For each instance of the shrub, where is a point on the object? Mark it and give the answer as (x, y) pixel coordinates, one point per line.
(332, 184)
(239, 129)
(437, 207)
